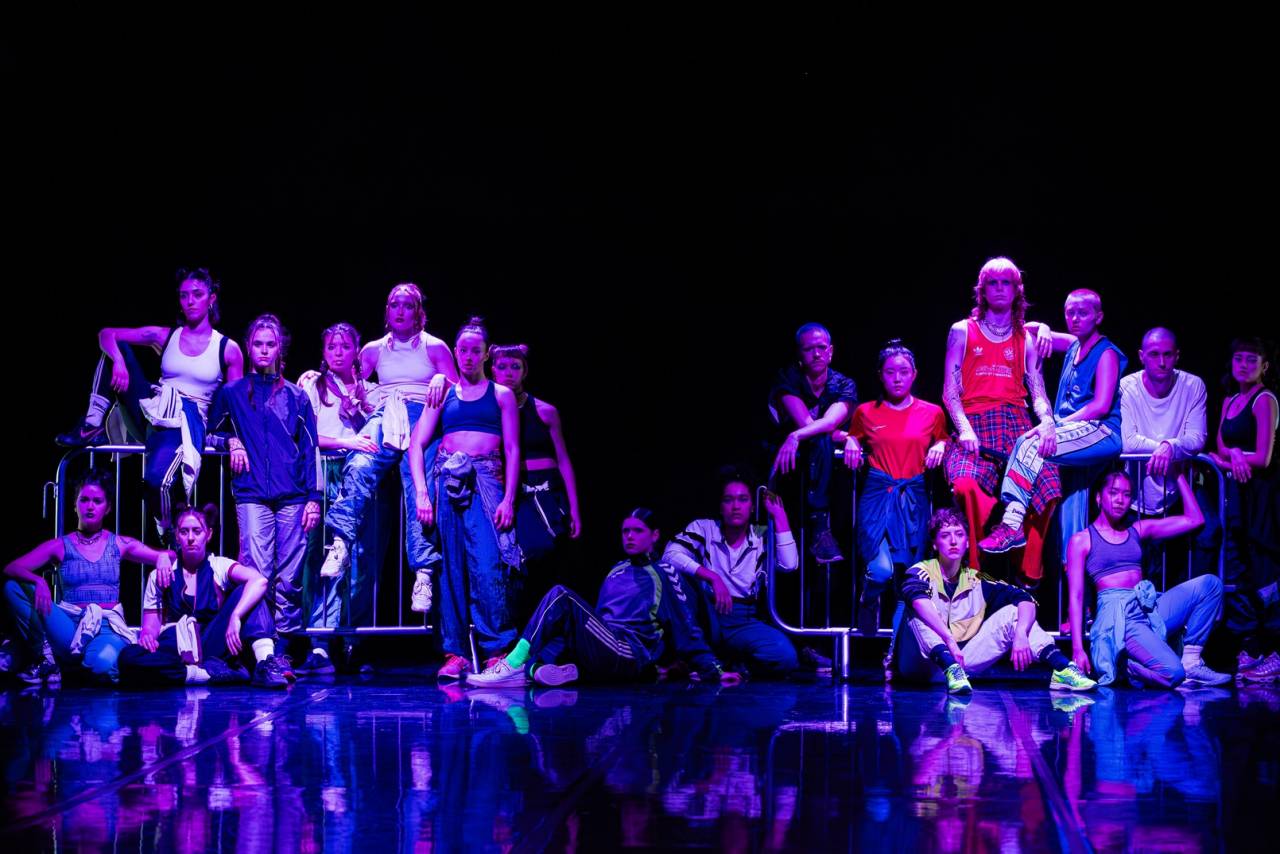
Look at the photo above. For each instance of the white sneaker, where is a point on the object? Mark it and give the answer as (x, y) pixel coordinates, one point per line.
(420, 601)
(335, 565)
(555, 674)
(499, 674)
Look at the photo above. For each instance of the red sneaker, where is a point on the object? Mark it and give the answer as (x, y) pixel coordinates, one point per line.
(454, 667)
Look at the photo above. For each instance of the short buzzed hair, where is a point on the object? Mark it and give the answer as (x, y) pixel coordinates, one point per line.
(1159, 332)
(1088, 296)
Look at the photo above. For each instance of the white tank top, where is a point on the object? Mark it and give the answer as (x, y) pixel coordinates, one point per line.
(195, 377)
(402, 366)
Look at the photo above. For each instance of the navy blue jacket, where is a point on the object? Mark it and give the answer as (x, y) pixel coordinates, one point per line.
(647, 604)
(274, 420)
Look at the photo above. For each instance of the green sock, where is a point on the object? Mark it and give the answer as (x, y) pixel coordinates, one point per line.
(518, 656)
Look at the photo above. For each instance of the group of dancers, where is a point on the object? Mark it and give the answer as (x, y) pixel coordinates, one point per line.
(490, 496)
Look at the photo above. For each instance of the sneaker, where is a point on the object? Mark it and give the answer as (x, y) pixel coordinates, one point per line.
(315, 665)
(499, 674)
(815, 661)
(82, 436)
(285, 663)
(1250, 669)
(1071, 678)
(1002, 539)
(420, 601)
(552, 675)
(825, 549)
(957, 680)
(268, 673)
(1200, 674)
(45, 670)
(222, 673)
(335, 565)
(454, 667)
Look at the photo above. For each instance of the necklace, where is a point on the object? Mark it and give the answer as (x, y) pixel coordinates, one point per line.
(996, 331)
(81, 539)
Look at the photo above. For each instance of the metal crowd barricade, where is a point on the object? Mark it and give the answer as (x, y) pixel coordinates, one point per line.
(119, 453)
(1135, 464)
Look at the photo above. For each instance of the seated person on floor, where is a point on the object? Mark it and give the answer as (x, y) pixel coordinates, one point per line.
(725, 560)
(963, 622)
(195, 626)
(642, 607)
(1132, 619)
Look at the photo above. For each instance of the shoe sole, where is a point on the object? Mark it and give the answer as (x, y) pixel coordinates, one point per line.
(552, 675)
(477, 679)
(1062, 686)
(451, 677)
(999, 550)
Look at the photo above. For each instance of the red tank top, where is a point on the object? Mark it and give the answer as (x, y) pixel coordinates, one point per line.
(991, 372)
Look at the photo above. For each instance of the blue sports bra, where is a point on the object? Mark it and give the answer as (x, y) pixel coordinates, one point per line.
(478, 416)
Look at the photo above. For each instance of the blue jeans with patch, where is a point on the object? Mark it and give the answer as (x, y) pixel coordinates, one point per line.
(476, 586)
(59, 629)
(360, 477)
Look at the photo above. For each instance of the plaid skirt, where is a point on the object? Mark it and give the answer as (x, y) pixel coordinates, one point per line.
(997, 429)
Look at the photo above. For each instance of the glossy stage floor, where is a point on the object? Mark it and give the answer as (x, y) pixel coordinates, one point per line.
(393, 763)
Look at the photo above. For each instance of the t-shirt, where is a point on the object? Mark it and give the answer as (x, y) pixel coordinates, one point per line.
(896, 440)
(221, 567)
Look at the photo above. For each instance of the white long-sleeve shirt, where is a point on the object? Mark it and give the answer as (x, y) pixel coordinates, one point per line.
(702, 543)
(1178, 418)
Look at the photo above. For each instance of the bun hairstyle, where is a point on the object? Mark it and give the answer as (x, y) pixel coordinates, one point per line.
(509, 351)
(207, 514)
(99, 477)
(476, 327)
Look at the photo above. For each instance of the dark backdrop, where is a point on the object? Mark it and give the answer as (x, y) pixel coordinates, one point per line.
(652, 206)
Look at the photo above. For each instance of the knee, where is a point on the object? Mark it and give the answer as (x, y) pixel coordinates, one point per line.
(1172, 675)
(14, 593)
(1209, 586)
(102, 662)
(779, 658)
(880, 569)
(965, 488)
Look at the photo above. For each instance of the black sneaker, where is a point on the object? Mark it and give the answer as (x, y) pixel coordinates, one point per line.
(41, 672)
(315, 665)
(286, 668)
(222, 673)
(82, 436)
(825, 549)
(814, 661)
(269, 674)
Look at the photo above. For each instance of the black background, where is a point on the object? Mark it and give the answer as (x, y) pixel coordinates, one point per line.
(653, 205)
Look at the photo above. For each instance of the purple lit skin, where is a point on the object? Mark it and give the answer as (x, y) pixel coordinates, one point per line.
(511, 371)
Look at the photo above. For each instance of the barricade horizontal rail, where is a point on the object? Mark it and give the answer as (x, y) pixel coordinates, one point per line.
(219, 482)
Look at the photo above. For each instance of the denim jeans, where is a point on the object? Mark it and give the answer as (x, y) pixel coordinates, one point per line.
(360, 476)
(59, 629)
(476, 585)
(353, 593)
(741, 637)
